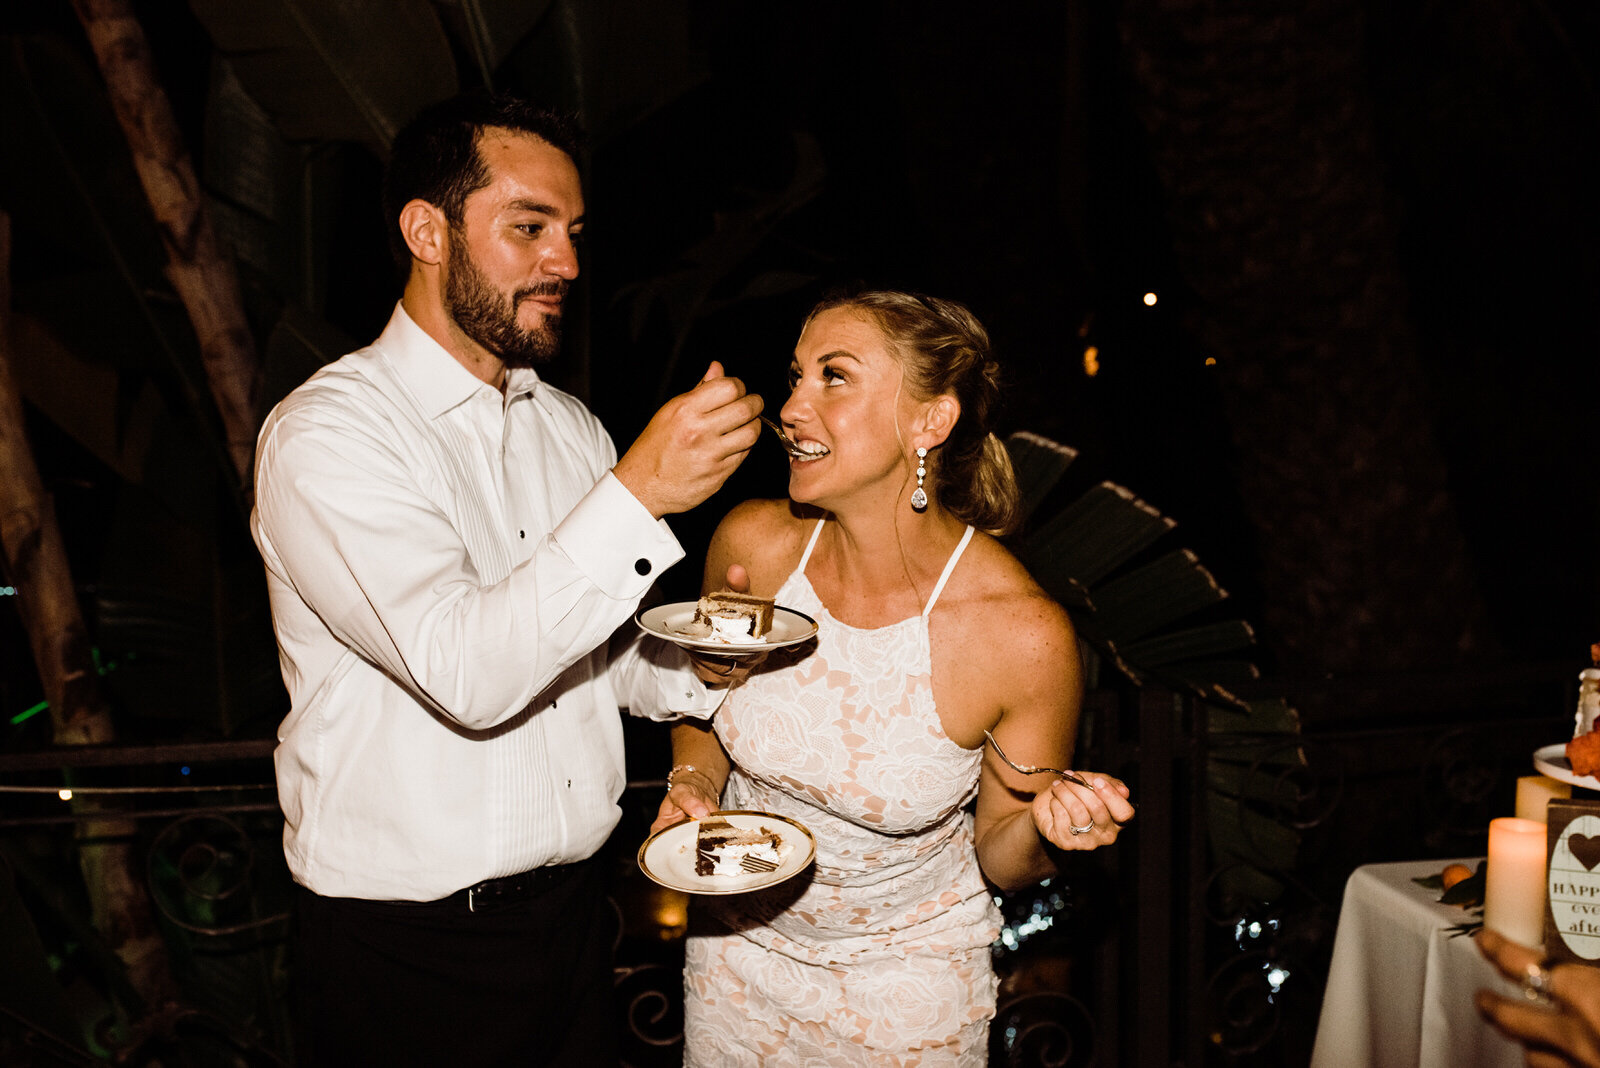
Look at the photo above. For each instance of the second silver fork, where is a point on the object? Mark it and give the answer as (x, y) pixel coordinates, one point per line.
(1029, 769)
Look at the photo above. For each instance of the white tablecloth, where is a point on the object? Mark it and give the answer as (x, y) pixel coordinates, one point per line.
(1400, 987)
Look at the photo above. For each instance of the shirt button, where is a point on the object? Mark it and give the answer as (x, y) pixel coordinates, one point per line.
(642, 566)
(521, 534)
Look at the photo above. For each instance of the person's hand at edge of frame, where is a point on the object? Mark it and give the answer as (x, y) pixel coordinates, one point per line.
(1557, 1022)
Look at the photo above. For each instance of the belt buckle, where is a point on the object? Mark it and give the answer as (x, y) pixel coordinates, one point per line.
(489, 891)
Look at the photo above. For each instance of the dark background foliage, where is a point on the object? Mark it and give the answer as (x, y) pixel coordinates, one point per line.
(1362, 394)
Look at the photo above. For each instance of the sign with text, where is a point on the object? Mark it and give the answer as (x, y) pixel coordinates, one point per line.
(1572, 900)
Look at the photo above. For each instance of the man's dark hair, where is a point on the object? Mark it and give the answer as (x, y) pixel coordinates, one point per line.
(435, 156)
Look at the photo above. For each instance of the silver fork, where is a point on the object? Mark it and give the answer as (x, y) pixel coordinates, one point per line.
(788, 443)
(1029, 769)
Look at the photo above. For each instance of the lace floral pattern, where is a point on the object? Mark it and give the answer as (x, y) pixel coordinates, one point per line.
(879, 954)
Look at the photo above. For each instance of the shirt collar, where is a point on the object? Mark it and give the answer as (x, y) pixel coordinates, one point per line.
(434, 376)
(520, 380)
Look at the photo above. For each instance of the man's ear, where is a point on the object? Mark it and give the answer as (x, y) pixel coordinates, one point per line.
(937, 419)
(425, 230)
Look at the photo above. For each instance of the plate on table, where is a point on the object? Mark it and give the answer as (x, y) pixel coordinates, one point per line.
(668, 855)
(1552, 760)
(669, 621)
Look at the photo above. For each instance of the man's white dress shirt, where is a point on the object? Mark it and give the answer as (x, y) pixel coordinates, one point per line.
(446, 565)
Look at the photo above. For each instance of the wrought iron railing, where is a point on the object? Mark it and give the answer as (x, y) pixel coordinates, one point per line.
(1139, 955)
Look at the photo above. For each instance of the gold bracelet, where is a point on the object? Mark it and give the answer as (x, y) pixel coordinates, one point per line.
(677, 768)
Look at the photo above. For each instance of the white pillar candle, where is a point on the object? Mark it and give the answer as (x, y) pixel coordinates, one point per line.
(1534, 793)
(1513, 892)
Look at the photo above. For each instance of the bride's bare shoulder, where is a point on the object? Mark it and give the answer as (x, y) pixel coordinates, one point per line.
(765, 536)
(765, 521)
(999, 587)
(1018, 646)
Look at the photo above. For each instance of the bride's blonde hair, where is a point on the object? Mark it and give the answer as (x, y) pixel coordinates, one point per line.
(942, 348)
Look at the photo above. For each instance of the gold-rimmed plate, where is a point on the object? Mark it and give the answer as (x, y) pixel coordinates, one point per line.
(667, 856)
(671, 621)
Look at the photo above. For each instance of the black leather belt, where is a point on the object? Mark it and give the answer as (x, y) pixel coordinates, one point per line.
(510, 889)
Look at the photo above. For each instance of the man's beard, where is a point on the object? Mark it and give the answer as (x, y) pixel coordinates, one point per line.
(487, 317)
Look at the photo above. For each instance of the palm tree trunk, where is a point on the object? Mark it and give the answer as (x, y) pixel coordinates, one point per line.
(37, 565)
(198, 267)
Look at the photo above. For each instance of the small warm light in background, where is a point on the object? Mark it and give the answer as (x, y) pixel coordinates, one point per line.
(1091, 360)
(1211, 361)
(672, 915)
(65, 795)
(1149, 300)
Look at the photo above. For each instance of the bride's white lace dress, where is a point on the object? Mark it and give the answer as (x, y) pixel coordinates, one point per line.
(880, 954)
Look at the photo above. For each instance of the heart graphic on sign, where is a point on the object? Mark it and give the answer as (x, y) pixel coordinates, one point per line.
(1585, 850)
(1572, 880)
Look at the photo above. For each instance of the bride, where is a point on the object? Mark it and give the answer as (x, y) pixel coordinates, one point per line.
(929, 634)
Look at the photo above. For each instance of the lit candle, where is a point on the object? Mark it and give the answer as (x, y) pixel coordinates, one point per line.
(1513, 892)
(1534, 793)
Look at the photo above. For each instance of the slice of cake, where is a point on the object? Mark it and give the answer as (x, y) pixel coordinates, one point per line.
(735, 618)
(1583, 753)
(723, 849)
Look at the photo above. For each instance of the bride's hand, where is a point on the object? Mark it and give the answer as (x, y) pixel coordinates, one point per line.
(691, 795)
(1080, 818)
(717, 671)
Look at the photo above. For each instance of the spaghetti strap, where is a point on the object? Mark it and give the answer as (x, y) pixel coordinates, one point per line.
(816, 531)
(950, 565)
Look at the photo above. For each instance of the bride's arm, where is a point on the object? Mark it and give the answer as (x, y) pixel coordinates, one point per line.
(700, 769)
(1039, 690)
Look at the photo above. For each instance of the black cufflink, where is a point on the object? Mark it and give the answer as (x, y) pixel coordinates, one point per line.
(642, 566)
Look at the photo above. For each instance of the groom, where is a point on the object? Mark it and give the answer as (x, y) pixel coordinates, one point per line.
(449, 544)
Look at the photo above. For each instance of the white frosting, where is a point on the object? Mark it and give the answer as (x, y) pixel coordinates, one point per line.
(730, 858)
(735, 630)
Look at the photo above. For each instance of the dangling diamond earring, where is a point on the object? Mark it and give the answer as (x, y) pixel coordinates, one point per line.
(919, 498)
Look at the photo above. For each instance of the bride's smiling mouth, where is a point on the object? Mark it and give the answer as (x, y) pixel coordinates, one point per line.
(807, 451)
